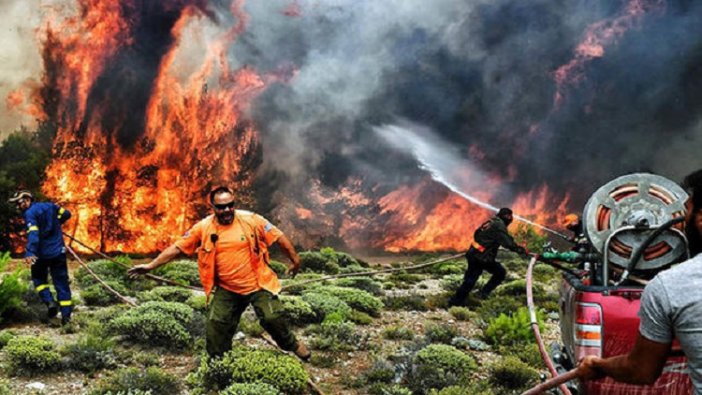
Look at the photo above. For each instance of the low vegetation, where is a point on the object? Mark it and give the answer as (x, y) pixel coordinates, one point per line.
(384, 335)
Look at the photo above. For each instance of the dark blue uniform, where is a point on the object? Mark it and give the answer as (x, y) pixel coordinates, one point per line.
(45, 241)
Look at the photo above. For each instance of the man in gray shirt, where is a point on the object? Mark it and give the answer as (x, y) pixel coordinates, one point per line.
(671, 306)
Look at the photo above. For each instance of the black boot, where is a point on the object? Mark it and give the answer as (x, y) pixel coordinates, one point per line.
(65, 321)
(53, 309)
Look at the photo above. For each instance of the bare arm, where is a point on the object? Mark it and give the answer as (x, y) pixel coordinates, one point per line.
(289, 251)
(642, 365)
(164, 257)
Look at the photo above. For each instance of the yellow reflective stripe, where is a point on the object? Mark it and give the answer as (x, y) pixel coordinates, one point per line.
(41, 287)
(60, 212)
(33, 229)
(65, 303)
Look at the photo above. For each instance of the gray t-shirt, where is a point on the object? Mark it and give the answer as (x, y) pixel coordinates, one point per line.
(671, 306)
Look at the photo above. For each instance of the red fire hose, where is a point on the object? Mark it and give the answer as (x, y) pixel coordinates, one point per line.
(539, 341)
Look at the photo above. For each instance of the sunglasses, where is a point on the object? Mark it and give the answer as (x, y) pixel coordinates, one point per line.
(225, 206)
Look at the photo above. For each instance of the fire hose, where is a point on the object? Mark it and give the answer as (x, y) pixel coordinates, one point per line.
(126, 300)
(325, 278)
(535, 328)
(124, 265)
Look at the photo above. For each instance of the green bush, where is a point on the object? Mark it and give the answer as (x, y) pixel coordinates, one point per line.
(341, 258)
(451, 282)
(397, 332)
(91, 353)
(97, 295)
(155, 324)
(382, 371)
(462, 313)
(278, 267)
(132, 380)
(402, 277)
(480, 388)
(317, 262)
(388, 389)
(517, 288)
(296, 311)
(508, 330)
(544, 273)
(412, 302)
(104, 268)
(292, 287)
(334, 334)
(352, 269)
(166, 294)
(181, 271)
(144, 359)
(511, 373)
(354, 298)
(528, 235)
(438, 366)
(245, 365)
(438, 300)
(441, 333)
(5, 388)
(11, 286)
(31, 354)
(528, 353)
(250, 326)
(363, 283)
(359, 317)
(493, 307)
(250, 389)
(197, 302)
(5, 336)
(453, 267)
(324, 304)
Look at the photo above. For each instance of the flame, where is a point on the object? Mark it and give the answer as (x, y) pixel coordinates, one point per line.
(599, 35)
(137, 197)
(137, 146)
(423, 216)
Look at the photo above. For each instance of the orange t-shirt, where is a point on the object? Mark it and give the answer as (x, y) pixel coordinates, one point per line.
(235, 265)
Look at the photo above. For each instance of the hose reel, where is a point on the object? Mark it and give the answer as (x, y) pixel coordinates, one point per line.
(625, 211)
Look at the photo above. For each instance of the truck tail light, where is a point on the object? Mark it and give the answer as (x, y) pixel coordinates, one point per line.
(588, 329)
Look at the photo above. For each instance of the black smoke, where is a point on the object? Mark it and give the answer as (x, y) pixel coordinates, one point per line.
(481, 75)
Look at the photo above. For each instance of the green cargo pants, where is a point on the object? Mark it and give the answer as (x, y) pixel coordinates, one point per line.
(224, 313)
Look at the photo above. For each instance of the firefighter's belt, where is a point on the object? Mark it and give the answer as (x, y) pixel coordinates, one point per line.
(478, 247)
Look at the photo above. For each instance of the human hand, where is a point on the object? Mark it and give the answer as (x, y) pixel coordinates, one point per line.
(138, 270)
(589, 369)
(30, 260)
(292, 270)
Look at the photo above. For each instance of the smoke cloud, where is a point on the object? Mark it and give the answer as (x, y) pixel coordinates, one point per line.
(481, 75)
(19, 58)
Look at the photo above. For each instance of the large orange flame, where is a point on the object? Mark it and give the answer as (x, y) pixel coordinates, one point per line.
(138, 198)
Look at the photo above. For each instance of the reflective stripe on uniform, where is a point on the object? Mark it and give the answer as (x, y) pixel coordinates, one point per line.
(33, 228)
(60, 212)
(65, 303)
(41, 287)
(478, 247)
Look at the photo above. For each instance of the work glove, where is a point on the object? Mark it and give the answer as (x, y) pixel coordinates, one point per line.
(30, 260)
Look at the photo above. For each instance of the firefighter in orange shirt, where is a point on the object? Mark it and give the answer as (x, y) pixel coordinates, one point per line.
(232, 253)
